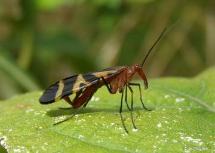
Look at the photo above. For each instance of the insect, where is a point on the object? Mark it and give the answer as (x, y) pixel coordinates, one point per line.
(116, 79)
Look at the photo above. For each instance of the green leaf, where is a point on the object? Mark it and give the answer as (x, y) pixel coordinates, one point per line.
(182, 120)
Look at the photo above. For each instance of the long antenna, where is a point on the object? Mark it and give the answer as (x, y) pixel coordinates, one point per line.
(158, 39)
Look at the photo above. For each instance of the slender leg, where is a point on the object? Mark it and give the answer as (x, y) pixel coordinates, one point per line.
(120, 112)
(132, 108)
(126, 98)
(69, 101)
(69, 117)
(120, 109)
(79, 101)
(106, 84)
(141, 99)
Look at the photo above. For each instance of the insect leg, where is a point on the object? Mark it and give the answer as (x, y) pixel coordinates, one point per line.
(120, 112)
(106, 84)
(126, 98)
(79, 101)
(70, 117)
(69, 101)
(141, 97)
(132, 108)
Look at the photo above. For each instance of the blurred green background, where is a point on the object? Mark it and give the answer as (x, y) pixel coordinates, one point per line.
(42, 41)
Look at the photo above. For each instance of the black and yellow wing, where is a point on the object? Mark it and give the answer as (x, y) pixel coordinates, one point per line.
(76, 83)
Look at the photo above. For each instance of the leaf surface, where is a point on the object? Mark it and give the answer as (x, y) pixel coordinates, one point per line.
(182, 120)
